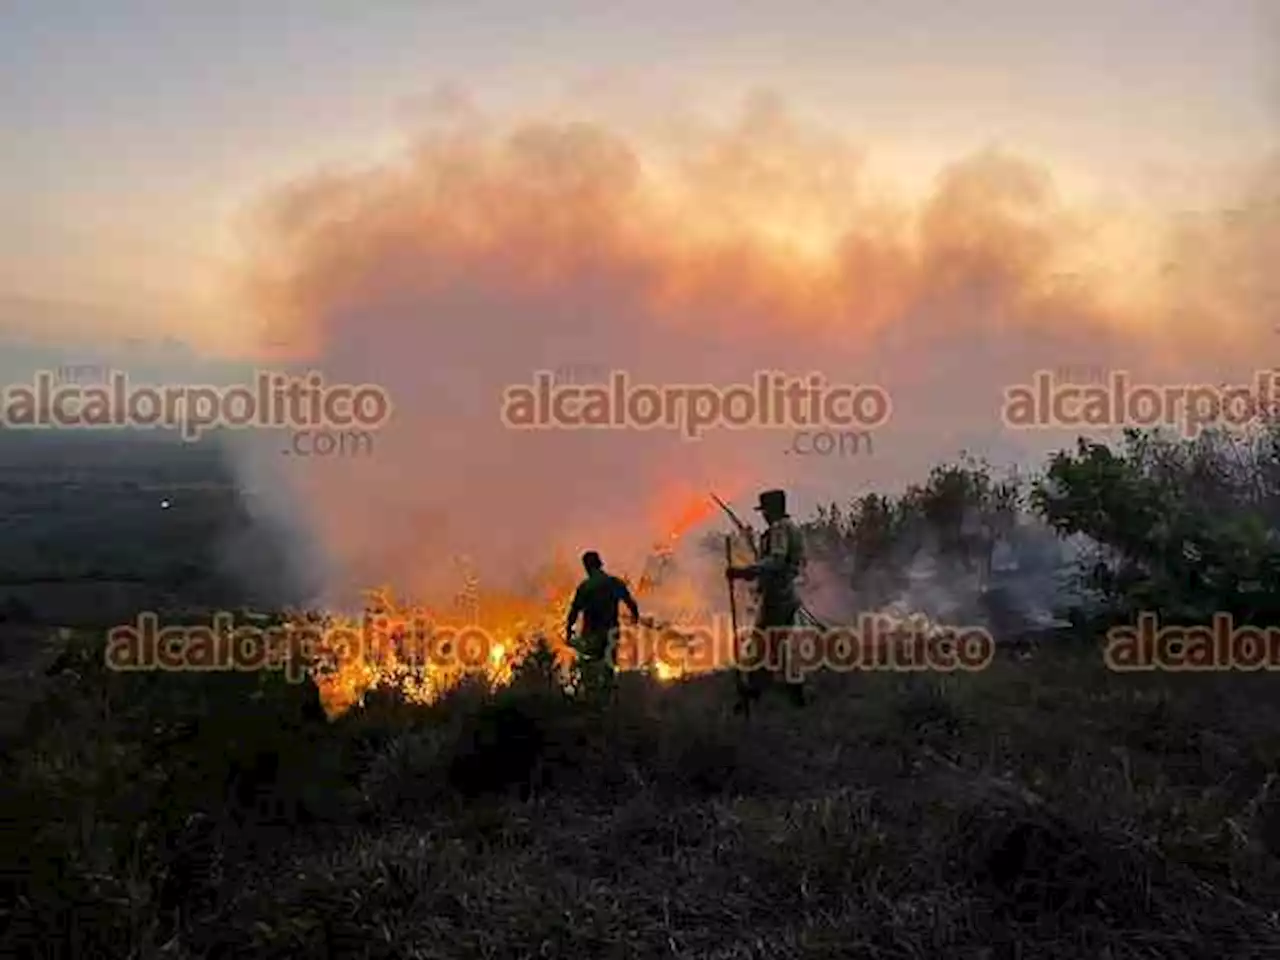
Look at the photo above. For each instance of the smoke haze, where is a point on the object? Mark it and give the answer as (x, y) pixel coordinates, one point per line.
(488, 251)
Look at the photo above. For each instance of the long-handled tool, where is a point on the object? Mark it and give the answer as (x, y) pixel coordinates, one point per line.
(804, 613)
(744, 698)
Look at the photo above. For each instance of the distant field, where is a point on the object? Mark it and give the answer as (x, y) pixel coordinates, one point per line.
(85, 540)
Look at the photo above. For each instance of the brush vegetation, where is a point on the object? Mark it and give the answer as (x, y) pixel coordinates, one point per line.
(1044, 807)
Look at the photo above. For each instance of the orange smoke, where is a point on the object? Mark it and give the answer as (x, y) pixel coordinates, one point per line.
(486, 253)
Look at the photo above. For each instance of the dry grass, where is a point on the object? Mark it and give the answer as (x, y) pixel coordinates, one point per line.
(1042, 809)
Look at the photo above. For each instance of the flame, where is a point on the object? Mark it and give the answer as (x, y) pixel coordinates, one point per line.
(692, 515)
(512, 625)
(666, 672)
(683, 508)
(384, 647)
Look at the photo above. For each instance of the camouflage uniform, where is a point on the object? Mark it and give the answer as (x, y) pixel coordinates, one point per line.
(780, 562)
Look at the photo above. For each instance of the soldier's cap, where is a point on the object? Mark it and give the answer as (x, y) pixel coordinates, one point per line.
(772, 500)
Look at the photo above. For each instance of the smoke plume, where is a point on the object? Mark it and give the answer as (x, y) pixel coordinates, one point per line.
(488, 251)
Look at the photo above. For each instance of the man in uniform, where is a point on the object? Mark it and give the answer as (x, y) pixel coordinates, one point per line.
(780, 561)
(596, 601)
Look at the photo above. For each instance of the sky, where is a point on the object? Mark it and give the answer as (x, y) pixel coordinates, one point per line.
(935, 196)
(136, 131)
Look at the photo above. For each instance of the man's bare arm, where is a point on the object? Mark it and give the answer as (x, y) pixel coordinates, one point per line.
(575, 609)
(630, 601)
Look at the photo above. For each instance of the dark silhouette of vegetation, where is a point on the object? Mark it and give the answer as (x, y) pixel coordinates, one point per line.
(1044, 807)
(1187, 528)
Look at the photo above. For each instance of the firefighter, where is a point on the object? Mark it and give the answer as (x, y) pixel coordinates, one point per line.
(780, 562)
(596, 601)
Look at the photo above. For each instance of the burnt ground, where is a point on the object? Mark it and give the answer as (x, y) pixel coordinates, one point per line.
(1041, 808)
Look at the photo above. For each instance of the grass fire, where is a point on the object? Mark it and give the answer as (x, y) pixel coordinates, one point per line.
(599, 645)
(419, 652)
(905, 809)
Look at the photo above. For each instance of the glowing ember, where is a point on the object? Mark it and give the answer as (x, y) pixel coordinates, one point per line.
(665, 671)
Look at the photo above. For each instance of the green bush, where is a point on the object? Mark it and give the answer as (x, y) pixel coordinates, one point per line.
(1183, 527)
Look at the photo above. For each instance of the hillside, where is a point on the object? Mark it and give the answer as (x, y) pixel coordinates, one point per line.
(1043, 807)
